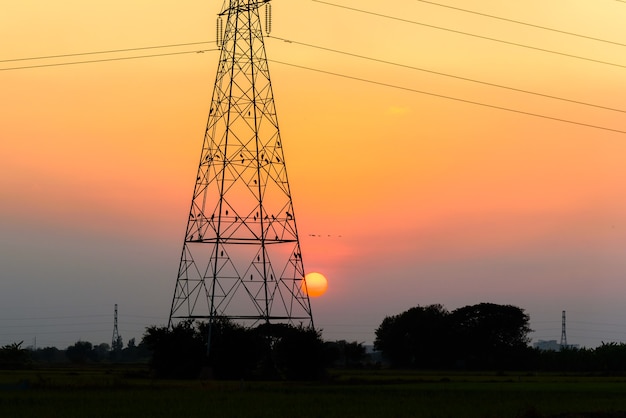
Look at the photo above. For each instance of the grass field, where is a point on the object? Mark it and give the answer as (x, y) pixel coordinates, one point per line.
(124, 391)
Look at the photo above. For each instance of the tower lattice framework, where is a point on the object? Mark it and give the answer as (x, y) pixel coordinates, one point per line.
(563, 333)
(241, 255)
(116, 341)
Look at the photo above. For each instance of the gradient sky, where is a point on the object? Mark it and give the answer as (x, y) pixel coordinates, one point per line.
(401, 198)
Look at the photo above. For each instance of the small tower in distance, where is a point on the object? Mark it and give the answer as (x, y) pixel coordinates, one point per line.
(116, 342)
(241, 255)
(563, 333)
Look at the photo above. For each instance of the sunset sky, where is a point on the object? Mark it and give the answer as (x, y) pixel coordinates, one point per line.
(415, 178)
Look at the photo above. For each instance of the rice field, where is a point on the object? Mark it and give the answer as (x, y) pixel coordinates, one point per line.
(125, 391)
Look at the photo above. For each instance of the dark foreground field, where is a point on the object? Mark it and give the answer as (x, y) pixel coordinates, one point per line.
(129, 392)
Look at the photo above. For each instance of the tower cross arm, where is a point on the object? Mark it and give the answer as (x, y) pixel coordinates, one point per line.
(242, 5)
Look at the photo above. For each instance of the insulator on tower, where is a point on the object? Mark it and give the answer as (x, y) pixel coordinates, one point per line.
(268, 18)
(220, 31)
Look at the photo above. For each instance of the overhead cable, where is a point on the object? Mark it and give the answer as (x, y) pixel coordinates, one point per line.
(538, 115)
(523, 23)
(472, 34)
(104, 52)
(357, 79)
(107, 59)
(448, 75)
(51, 317)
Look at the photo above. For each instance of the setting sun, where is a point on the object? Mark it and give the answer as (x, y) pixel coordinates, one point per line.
(316, 284)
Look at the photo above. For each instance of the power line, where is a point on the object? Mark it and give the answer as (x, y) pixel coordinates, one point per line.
(608, 324)
(343, 76)
(471, 34)
(104, 52)
(448, 75)
(144, 316)
(452, 98)
(84, 331)
(523, 23)
(47, 326)
(107, 59)
(52, 317)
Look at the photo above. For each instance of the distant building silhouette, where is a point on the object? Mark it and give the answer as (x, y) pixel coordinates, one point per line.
(550, 345)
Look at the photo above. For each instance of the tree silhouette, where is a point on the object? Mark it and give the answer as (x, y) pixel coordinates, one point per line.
(80, 352)
(235, 351)
(177, 352)
(488, 335)
(344, 354)
(269, 351)
(118, 344)
(485, 335)
(293, 353)
(13, 356)
(418, 337)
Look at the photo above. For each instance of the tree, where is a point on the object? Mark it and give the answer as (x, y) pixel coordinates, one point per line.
(80, 352)
(344, 354)
(176, 353)
(269, 351)
(478, 336)
(611, 357)
(235, 351)
(118, 344)
(101, 351)
(418, 337)
(354, 353)
(293, 353)
(488, 335)
(13, 356)
(49, 355)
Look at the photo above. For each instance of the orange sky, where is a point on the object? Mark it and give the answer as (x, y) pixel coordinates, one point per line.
(417, 199)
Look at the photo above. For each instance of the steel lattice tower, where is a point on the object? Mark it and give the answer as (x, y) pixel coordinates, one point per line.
(241, 255)
(116, 341)
(563, 333)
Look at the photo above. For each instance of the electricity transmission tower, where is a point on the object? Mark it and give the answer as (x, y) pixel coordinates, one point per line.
(116, 341)
(241, 255)
(563, 334)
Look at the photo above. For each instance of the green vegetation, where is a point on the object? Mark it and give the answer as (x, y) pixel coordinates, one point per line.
(129, 391)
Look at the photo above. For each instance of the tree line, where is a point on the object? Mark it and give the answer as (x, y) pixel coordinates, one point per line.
(268, 351)
(14, 356)
(484, 336)
(224, 349)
